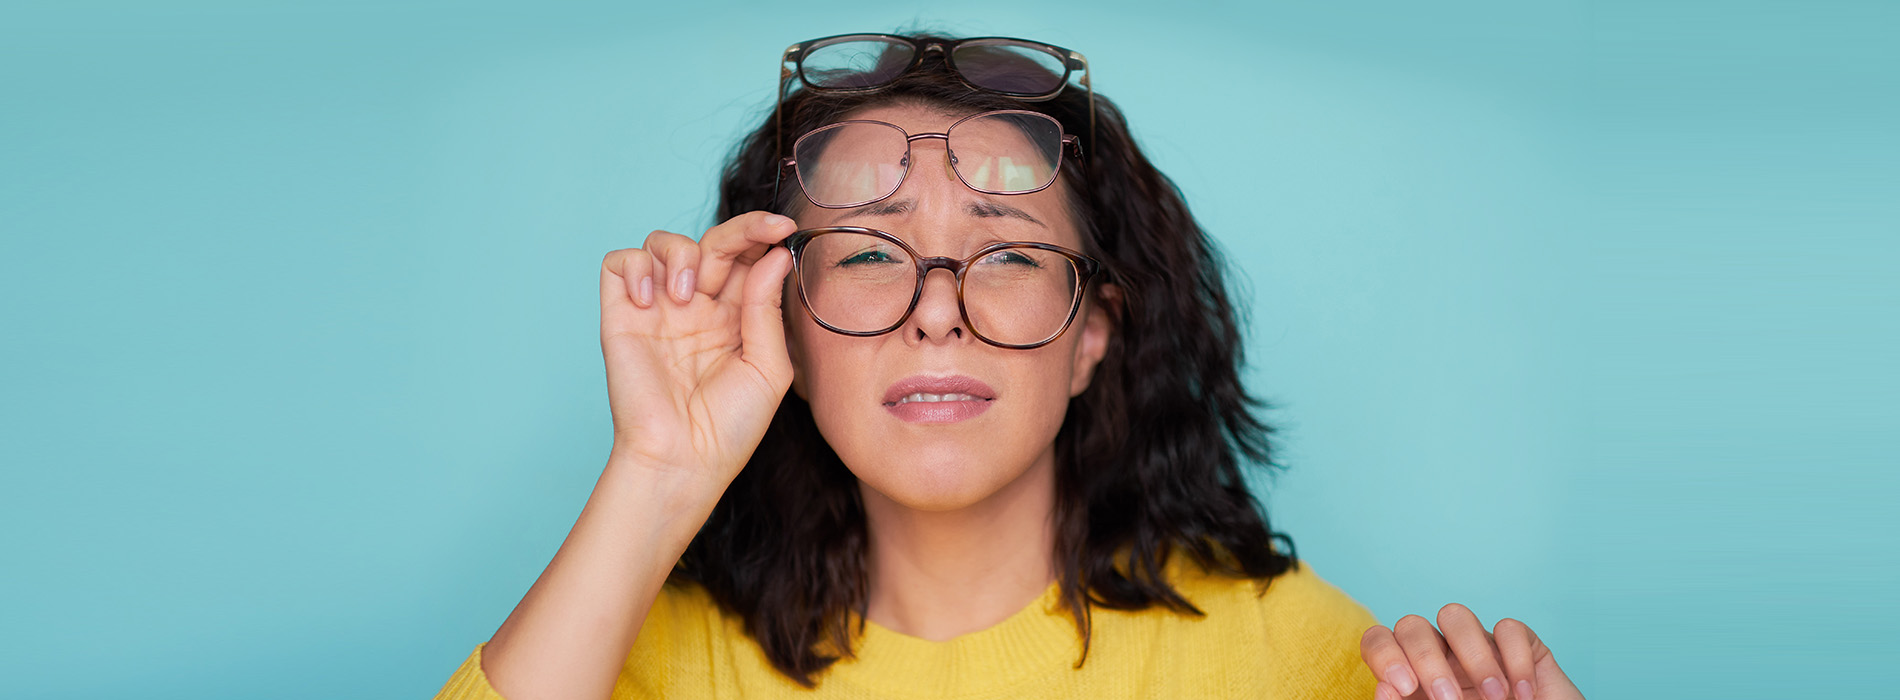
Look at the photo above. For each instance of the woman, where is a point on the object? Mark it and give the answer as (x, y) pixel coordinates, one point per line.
(1016, 476)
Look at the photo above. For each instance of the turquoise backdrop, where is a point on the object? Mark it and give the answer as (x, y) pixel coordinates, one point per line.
(1576, 313)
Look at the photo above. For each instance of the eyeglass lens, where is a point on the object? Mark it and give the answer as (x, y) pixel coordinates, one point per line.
(857, 64)
(1009, 67)
(861, 283)
(1000, 65)
(853, 163)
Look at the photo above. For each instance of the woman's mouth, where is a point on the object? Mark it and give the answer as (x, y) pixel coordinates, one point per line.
(922, 399)
(934, 398)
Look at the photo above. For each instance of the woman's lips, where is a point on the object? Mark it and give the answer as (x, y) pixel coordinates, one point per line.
(921, 399)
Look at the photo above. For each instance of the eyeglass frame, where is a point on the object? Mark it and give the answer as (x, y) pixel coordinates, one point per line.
(795, 54)
(791, 162)
(1086, 268)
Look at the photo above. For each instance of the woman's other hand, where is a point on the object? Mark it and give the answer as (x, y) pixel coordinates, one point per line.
(695, 345)
(1414, 661)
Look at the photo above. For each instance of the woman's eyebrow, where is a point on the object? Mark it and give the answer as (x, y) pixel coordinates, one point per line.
(991, 209)
(884, 208)
(980, 209)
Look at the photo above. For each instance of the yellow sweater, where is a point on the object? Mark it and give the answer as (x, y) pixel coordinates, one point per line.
(1300, 640)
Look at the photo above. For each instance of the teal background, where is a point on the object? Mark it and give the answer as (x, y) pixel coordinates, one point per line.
(1576, 313)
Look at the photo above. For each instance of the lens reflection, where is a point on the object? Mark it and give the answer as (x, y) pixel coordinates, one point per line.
(851, 163)
(1006, 152)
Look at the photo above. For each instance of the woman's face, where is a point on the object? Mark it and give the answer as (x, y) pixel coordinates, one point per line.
(1000, 408)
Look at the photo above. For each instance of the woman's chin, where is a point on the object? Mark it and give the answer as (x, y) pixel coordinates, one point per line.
(938, 485)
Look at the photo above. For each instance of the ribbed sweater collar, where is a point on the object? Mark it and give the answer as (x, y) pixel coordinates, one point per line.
(1034, 640)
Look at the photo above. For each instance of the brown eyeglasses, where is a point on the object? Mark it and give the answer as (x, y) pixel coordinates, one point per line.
(864, 282)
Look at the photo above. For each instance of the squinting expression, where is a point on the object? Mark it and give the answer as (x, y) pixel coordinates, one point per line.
(928, 415)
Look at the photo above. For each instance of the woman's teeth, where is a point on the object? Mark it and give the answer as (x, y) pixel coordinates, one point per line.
(933, 398)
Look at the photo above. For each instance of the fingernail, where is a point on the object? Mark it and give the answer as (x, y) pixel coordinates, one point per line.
(775, 220)
(1523, 690)
(684, 287)
(646, 290)
(1444, 690)
(1384, 691)
(1401, 678)
(1493, 689)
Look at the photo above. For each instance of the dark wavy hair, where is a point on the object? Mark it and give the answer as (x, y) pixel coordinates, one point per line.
(1149, 456)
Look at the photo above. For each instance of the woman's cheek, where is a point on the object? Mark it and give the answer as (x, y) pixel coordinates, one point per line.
(1052, 399)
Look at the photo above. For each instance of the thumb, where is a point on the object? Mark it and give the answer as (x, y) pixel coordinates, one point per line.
(761, 323)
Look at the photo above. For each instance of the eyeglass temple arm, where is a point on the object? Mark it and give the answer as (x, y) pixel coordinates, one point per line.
(785, 73)
(778, 109)
(778, 181)
(1077, 60)
(786, 61)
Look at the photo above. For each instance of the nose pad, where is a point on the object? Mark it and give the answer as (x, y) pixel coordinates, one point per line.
(923, 148)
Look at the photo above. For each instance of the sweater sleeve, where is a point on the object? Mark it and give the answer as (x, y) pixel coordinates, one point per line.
(468, 682)
(672, 648)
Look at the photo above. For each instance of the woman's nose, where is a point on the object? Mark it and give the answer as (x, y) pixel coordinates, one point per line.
(937, 318)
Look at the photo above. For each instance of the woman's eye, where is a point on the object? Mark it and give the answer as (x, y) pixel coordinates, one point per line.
(868, 257)
(1010, 257)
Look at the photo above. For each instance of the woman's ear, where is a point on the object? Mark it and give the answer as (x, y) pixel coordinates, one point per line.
(794, 344)
(1100, 316)
(798, 373)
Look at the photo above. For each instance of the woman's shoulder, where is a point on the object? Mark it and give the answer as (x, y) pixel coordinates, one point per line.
(1299, 623)
(1298, 599)
(686, 636)
(683, 596)
(686, 614)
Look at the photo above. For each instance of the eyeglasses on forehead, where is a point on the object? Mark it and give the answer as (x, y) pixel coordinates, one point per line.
(1022, 69)
(860, 161)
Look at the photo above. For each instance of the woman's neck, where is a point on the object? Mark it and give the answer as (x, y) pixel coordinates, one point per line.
(942, 574)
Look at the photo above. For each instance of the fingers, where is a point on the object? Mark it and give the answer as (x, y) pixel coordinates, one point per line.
(1426, 652)
(1472, 647)
(676, 259)
(743, 239)
(1382, 654)
(761, 327)
(1515, 641)
(681, 266)
(1552, 683)
(626, 277)
(1508, 663)
(1549, 681)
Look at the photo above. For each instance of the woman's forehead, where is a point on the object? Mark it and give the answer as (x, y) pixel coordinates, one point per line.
(912, 116)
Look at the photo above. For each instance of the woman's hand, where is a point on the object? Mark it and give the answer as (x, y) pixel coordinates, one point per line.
(695, 345)
(1414, 661)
